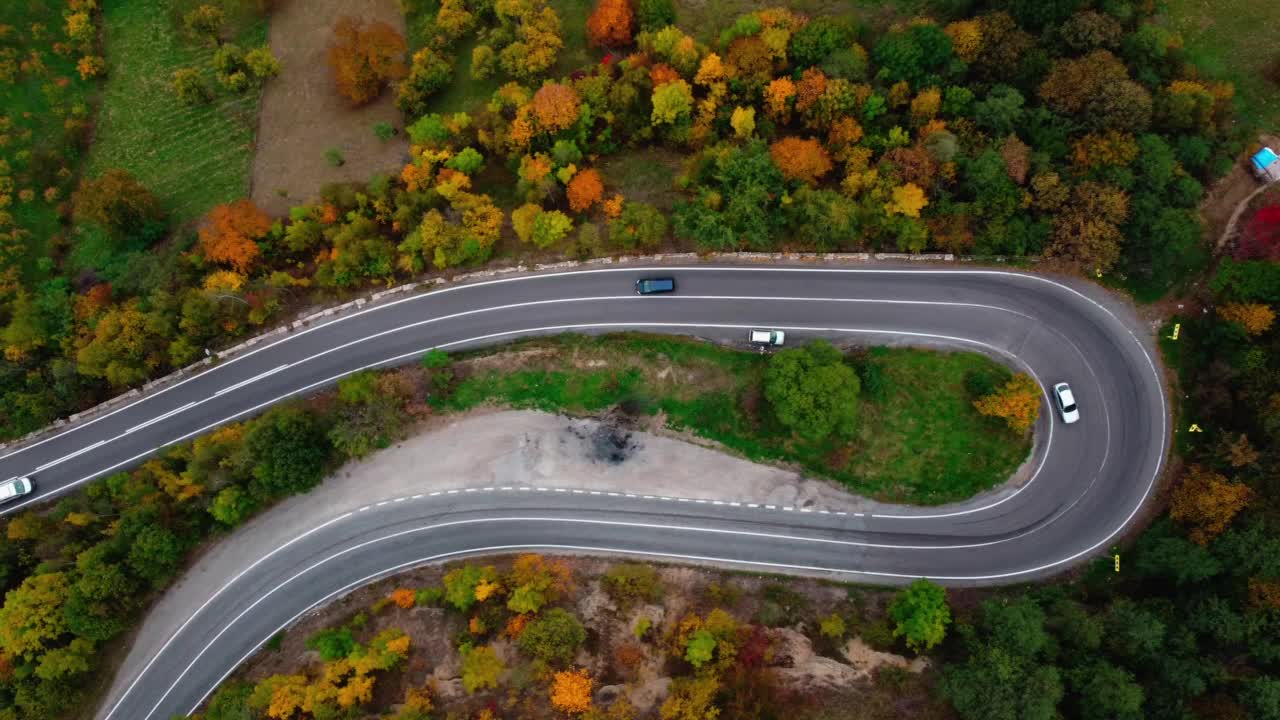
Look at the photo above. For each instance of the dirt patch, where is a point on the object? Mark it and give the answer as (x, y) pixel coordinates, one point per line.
(303, 116)
(610, 441)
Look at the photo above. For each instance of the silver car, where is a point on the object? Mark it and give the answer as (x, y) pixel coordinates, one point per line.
(1066, 403)
(767, 337)
(14, 488)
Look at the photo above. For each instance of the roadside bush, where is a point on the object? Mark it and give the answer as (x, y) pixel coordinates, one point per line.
(638, 227)
(553, 636)
(332, 644)
(204, 23)
(630, 583)
(921, 615)
(190, 87)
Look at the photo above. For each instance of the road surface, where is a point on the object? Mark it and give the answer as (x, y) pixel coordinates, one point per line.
(1089, 480)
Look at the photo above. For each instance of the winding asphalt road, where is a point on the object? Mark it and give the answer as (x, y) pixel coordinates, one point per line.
(1089, 481)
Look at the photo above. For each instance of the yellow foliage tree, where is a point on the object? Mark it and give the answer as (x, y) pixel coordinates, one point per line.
(712, 70)
(907, 200)
(571, 691)
(357, 691)
(281, 696)
(1018, 402)
(966, 39)
(926, 104)
(1207, 501)
(224, 281)
(1255, 318)
(743, 121)
(486, 589)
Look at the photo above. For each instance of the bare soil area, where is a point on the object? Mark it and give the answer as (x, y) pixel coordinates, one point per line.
(303, 116)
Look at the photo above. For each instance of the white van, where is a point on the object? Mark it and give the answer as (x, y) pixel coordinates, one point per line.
(767, 337)
(14, 488)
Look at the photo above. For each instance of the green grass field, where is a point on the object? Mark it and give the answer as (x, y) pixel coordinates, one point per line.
(36, 106)
(919, 441)
(1233, 40)
(192, 157)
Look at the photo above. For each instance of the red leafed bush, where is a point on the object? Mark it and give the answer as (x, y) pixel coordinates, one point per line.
(1260, 239)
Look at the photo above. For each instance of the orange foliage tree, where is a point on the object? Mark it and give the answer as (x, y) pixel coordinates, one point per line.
(404, 598)
(1207, 501)
(585, 189)
(571, 691)
(801, 159)
(611, 23)
(231, 233)
(1018, 402)
(1255, 318)
(555, 106)
(777, 98)
(364, 58)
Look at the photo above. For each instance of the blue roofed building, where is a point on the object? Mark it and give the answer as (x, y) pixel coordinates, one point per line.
(1266, 165)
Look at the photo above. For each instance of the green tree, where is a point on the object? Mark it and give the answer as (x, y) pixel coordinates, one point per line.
(812, 391)
(289, 452)
(991, 684)
(672, 103)
(653, 15)
(154, 554)
(32, 617)
(230, 702)
(700, 648)
(1000, 112)
(460, 585)
(1263, 697)
(204, 23)
(817, 39)
(921, 615)
(1106, 692)
(912, 54)
(67, 662)
(468, 161)
(332, 643)
(189, 85)
(481, 668)
(550, 227)
(553, 636)
(232, 505)
(638, 227)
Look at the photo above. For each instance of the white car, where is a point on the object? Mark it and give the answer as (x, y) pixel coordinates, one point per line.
(14, 488)
(1066, 403)
(767, 337)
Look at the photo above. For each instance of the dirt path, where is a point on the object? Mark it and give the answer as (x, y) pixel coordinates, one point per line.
(1228, 198)
(302, 114)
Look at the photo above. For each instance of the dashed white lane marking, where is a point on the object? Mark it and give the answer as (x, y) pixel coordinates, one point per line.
(604, 493)
(253, 379)
(152, 421)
